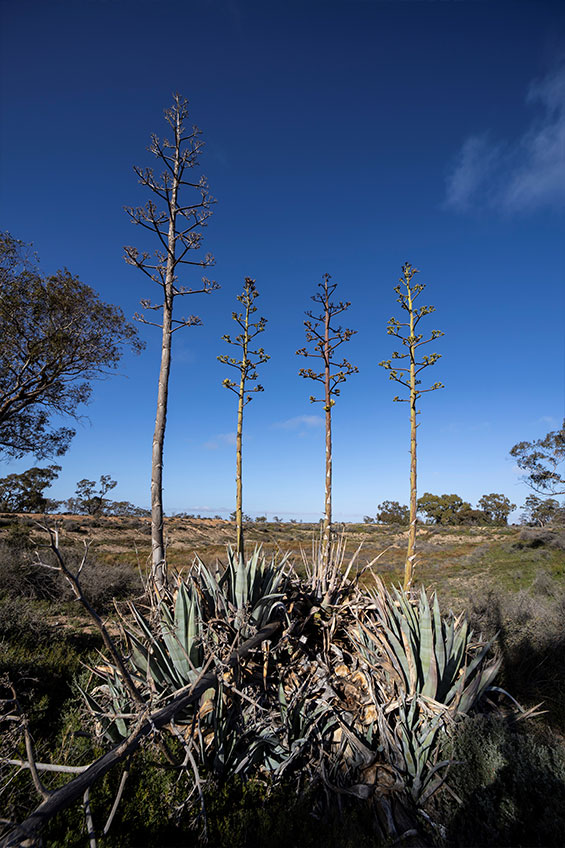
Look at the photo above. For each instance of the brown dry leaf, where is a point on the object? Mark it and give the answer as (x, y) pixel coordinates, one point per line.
(370, 714)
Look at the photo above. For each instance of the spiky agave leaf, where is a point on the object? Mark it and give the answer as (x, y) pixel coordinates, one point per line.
(431, 656)
(433, 667)
(254, 585)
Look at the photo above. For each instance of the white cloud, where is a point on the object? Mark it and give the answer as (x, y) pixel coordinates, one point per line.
(300, 422)
(475, 163)
(219, 441)
(516, 175)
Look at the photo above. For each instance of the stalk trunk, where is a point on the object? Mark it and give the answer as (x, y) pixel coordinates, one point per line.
(158, 562)
(411, 552)
(238, 477)
(159, 568)
(326, 537)
(240, 544)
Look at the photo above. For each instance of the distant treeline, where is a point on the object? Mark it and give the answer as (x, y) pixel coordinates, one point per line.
(452, 510)
(25, 492)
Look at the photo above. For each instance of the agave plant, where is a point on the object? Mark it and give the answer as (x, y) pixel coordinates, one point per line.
(421, 653)
(423, 671)
(171, 655)
(167, 653)
(329, 581)
(162, 659)
(254, 586)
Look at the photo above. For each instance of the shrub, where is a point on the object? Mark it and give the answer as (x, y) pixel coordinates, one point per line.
(528, 629)
(541, 537)
(511, 782)
(20, 577)
(102, 583)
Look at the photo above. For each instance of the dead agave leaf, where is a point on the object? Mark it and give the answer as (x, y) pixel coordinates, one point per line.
(359, 677)
(371, 714)
(206, 708)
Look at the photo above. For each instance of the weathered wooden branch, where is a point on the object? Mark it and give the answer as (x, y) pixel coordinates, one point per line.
(74, 582)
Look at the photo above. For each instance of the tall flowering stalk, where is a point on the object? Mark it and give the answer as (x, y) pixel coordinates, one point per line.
(407, 292)
(246, 366)
(326, 338)
(177, 222)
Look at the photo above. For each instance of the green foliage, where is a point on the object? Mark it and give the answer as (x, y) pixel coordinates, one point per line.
(443, 509)
(245, 813)
(511, 784)
(253, 586)
(89, 500)
(427, 654)
(527, 627)
(392, 512)
(167, 650)
(539, 512)
(427, 671)
(59, 335)
(24, 492)
(541, 458)
(124, 508)
(496, 507)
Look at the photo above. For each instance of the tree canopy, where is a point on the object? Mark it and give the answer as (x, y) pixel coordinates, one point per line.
(392, 512)
(541, 458)
(496, 507)
(57, 336)
(442, 509)
(24, 492)
(89, 500)
(542, 511)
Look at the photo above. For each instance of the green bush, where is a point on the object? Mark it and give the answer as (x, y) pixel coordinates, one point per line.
(243, 814)
(510, 780)
(529, 634)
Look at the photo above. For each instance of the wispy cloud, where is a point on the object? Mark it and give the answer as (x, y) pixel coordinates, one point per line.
(300, 423)
(521, 174)
(220, 441)
(474, 165)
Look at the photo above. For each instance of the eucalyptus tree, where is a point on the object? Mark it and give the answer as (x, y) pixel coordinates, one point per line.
(326, 337)
(90, 497)
(541, 458)
(408, 377)
(496, 508)
(246, 367)
(177, 224)
(25, 492)
(57, 337)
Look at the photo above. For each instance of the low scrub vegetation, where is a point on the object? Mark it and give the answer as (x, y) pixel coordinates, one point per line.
(332, 708)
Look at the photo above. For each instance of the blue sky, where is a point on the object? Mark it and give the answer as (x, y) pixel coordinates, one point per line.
(341, 137)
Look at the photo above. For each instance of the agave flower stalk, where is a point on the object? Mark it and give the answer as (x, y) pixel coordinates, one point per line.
(177, 223)
(407, 293)
(246, 366)
(327, 337)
